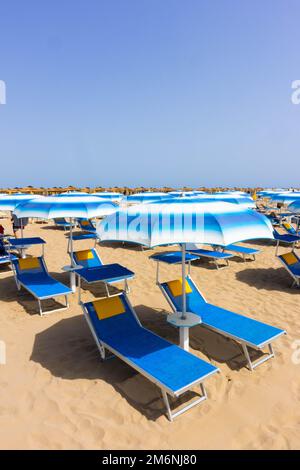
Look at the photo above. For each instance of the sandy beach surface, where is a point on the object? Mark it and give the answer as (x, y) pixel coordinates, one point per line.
(56, 394)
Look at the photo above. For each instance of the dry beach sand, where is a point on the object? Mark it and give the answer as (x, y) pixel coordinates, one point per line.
(56, 394)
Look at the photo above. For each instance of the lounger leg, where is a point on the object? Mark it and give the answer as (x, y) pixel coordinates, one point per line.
(107, 290)
(246, 352)
(167, 405)
(253, 365)
(195, 402)
(40, 307)
(126, 285)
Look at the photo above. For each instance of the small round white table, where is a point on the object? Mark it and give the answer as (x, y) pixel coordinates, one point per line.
(184, 324)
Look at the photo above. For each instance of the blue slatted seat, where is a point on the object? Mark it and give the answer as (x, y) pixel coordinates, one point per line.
(115, 327)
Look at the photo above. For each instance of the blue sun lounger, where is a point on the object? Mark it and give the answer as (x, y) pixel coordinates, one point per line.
(116, 328)
(62, 223)
(212, 255)
(86, 225)
(285, 237)
(243, 251)
(32, 274)
(246, 331)
(291, 262)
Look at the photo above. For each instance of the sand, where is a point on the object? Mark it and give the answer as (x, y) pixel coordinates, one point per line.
(56, 394)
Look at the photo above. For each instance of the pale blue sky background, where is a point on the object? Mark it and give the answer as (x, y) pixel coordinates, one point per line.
(149, 92)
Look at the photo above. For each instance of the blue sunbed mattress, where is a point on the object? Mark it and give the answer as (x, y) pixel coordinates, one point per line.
(242, 249)
(174, 257)
(43, 285)
(167, 363)
(245, 329)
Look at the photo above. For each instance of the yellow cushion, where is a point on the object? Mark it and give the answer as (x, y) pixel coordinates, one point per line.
(29, 263)
(287, 225)
(176, 287)
(290, 258)
(84, 254)
(106, 308)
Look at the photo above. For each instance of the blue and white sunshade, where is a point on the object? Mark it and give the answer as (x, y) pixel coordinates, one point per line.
(217, 223)
(141, 198)
(53, 207)
(295, 206)
(10, 202)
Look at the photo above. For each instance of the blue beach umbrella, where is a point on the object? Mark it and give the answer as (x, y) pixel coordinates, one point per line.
(286, 198)
(115, 197)
(73, 194)
(217, 223)
(10, 202)
(141, 198)
(71, 207)
(295, 206)
(242, 202)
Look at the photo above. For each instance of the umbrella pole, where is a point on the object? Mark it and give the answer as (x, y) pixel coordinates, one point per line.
(183, 330)
(183, 313)
(72, 273)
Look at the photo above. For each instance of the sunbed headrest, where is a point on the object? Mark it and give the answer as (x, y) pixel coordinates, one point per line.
(176, 287)
(29, 263)
(290, 258)
(84, 255)
(85, 222)
(109, 307)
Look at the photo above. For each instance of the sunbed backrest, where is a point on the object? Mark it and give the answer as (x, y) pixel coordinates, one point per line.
(29, 266)
(174, 291)
(112, 317)
(87, 258)
(290, 258)
(289, 228)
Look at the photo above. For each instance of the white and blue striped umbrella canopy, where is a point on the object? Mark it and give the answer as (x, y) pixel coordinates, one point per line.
(295, 206)
(218, 223)
(245, 202)
(109, 196)
(73, 194)
(140, 198)
(10, 202)
(52, 207)
(285, 198)
(184, 193)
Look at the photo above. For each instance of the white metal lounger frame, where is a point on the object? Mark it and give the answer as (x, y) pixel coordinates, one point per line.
(45, 297)
(251, 365)
(164, 390)
(296, 279)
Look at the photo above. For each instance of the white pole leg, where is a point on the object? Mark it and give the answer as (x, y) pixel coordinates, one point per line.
(73, 281)
(184, 338)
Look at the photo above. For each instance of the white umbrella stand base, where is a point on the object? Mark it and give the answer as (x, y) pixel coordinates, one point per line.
(184, 324)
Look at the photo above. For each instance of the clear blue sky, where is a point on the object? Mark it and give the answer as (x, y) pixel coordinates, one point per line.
(149, 92)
